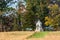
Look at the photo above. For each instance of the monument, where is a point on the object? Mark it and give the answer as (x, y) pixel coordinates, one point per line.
(38, 26)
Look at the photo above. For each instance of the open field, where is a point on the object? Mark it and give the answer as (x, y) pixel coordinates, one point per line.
(49, 36)
(14, 35)
(22, 35)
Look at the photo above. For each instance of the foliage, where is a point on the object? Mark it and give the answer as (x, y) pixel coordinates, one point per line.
(3, 4)
(9, 20)
(52, 19)
(37, 9)
(49, 21)
(49, 14)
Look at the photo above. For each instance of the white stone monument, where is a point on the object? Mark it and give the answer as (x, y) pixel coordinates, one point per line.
(38, 26)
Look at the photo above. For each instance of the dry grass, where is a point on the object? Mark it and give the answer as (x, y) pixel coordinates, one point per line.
(22, 35)
(14, 35)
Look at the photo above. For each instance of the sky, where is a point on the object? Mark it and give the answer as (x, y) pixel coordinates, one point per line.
(14, 5)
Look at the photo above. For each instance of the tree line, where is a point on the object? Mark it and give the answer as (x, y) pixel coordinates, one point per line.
(46, 10)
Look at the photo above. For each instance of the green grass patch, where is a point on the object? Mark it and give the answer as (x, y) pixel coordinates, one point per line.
(38, 35)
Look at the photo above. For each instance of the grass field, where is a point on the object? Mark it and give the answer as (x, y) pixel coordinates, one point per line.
(55, 35)
(23, 35)
(38, 35)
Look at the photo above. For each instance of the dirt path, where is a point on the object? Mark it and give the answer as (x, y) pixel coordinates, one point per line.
(14, 35)
(50, 36)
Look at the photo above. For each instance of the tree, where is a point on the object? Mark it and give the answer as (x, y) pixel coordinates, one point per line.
(9, 21)
(37, 9)
(21, 12)
(3, 4)
(52, 19)
(6, 21)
